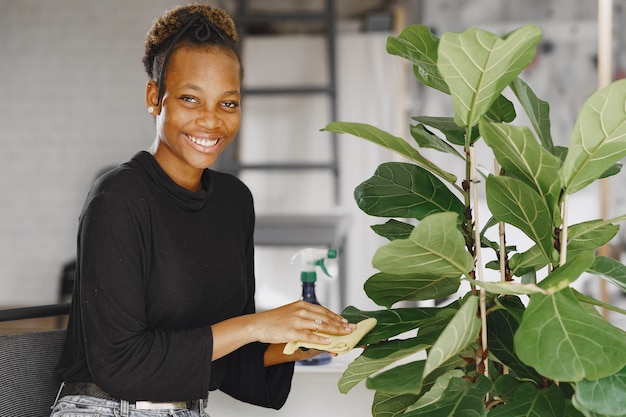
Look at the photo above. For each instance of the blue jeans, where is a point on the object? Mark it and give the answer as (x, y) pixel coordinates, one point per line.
(86, 406)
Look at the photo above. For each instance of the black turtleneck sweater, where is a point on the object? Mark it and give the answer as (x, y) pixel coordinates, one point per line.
(157, 266)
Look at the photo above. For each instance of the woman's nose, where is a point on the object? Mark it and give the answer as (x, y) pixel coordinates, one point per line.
(209, 117)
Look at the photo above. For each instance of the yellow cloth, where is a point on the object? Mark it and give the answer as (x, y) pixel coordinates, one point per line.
(338, 344)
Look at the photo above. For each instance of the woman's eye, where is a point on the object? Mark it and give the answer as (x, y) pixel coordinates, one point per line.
(189, 99)
(231, 104)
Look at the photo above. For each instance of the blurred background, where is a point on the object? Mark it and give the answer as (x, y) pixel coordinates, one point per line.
(72, 104)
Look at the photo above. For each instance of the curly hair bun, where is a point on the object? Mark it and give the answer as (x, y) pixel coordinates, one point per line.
(166, 27)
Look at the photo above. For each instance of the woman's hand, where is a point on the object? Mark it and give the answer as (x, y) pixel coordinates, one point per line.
(274, 355)
(297, 321)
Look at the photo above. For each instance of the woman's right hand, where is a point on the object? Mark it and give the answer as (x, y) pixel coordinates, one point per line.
(299, 321)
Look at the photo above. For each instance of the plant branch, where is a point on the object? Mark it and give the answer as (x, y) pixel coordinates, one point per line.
(563, 248)
(501, 238)
(479, 264)
(468, 224)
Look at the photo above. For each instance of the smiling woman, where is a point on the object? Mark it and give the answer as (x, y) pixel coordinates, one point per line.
(163, 304)
(199, 114)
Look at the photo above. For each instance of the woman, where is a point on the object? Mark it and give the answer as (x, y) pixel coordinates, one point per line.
(163, 305)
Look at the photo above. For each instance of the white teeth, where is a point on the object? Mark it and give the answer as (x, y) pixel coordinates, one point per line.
(204, 142)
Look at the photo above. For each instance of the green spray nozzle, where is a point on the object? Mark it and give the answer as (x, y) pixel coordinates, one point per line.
(310, 259)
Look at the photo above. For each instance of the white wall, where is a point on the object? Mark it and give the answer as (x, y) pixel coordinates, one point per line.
(72, 102)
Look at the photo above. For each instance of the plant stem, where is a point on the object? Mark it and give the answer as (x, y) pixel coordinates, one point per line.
(563, 248)
(501, 237)
(468, 221)
(502, 251)
(479, 263)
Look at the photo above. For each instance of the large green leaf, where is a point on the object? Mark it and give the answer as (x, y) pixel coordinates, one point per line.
(537, 110)
(453, 132)
(583, 298)
(387, 289)
(518, 152)
(377, 357)
(567, 273)
(513, 305)
(571, 411)
(461, 398)
(576, 410)
(529, 261)
(509, 287)
(404, 190)
(612, 170)
(393, 229)
(427, 139)
(564, 341)
(402, 379)
(605, 396)
(590, 235)
(393, 322)
(418, 44)
(505, 386)
(389, 141)
(611, 269)
(502, 110)
(478, 65)
(391, 405)
(512, 201)
(501, 328)
(459, 333)
(531, 401)
(436, 247)
(437, 389)
(599, 137)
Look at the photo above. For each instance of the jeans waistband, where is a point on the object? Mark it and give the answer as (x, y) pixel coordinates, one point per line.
(92, 390)
(84, 388)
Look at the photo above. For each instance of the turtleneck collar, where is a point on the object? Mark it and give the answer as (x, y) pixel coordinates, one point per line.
(181, 197)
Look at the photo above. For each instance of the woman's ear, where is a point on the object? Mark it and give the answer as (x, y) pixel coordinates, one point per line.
(152, 95)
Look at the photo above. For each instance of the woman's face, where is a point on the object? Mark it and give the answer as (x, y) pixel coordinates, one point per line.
(200, 112)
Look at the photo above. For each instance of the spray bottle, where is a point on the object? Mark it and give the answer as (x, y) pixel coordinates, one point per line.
(310, 259)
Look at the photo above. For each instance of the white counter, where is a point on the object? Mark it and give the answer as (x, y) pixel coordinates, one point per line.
(314, 393)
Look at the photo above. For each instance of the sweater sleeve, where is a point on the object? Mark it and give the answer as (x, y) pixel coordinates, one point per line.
(126, 358)
(247, 379)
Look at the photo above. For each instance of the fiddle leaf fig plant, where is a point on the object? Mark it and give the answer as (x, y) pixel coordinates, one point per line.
(507, 333)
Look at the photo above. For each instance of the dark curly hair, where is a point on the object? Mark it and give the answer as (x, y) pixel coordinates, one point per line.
(193, 25)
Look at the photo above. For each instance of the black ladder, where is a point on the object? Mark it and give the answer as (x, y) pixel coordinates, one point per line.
(245, 19)
(296, 229)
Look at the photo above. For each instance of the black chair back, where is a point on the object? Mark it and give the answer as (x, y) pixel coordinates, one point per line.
(28, 383)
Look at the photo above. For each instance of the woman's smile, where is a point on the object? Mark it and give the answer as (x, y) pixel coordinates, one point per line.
(203, 143)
